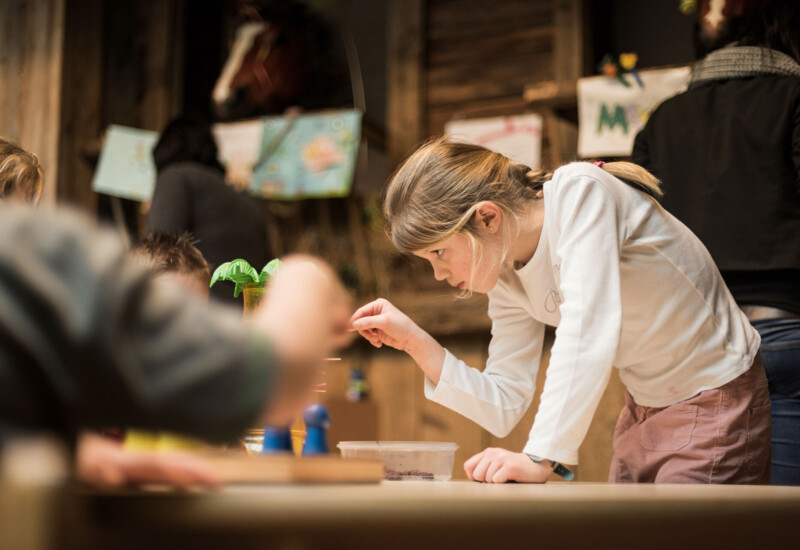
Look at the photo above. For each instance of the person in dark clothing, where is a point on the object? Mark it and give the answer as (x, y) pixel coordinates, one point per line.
(728, 154)
(90, 338)
(191, 195)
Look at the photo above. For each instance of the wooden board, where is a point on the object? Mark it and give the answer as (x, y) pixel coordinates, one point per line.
(241, 468)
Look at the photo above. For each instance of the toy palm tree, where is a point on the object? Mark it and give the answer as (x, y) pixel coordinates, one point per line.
(247, 280)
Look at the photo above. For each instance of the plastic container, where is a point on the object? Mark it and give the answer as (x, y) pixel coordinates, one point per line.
(406, 460)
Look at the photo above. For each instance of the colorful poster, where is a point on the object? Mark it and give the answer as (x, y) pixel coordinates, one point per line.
(307, 155)
(610, 114)
(126, 167)
(518, 137)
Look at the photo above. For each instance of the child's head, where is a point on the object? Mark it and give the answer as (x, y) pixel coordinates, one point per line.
(472, 200)
(186, 139)
(21, 177)
(435, 194)
(176, 257)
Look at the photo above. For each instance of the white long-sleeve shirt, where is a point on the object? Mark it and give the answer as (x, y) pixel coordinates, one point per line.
(627, 285)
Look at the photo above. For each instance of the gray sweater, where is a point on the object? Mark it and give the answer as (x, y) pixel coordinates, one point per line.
(90, 340)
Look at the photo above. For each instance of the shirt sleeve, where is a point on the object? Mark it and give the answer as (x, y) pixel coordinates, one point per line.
(171, 207)
(498, 397)
(90, 340)
(588, 334)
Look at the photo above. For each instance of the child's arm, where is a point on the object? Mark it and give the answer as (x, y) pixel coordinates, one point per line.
(382, 323)
(591, 217)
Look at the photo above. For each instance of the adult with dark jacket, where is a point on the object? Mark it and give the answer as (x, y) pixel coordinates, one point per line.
(191, 195)
(728, 154)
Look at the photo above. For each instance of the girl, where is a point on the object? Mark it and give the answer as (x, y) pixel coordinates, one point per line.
(589, 250)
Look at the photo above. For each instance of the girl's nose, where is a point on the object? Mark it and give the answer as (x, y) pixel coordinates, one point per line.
(439, 274)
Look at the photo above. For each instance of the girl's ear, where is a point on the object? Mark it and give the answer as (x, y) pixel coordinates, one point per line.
(488, 216)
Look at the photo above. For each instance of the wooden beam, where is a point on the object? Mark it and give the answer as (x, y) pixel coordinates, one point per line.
(81, 96)
(568, 50)
(405, 93)
(31, 46)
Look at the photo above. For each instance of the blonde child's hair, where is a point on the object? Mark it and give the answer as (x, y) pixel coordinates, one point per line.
(21, 176)
(433, 194)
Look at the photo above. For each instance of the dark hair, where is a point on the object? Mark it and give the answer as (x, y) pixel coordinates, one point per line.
(186, 139)
(773, 24)
(776, 26)
(171, 253)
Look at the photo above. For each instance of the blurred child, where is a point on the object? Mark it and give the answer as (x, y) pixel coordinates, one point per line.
(176, 259)
(21, 177)
(88, 339)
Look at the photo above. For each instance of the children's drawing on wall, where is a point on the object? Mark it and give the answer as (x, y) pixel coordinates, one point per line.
(518, 137)
(307, 155)
(126, 167)
(610, 113)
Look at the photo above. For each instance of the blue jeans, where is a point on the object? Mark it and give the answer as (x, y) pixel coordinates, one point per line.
(780, 353)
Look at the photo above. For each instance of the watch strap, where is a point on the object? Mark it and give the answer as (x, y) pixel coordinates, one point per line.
(557, 467)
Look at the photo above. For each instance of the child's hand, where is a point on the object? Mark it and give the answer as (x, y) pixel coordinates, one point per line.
(382, 323)
(500, 466)
(305, 316)
(102, 462)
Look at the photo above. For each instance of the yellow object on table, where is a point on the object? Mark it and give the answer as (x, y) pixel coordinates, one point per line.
(158, 441)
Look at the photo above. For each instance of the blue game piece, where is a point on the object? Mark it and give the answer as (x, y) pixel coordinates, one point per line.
(317, 421)
(276, 440)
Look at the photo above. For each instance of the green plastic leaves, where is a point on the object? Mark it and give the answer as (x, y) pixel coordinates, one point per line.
(269, 270)
(240, 272)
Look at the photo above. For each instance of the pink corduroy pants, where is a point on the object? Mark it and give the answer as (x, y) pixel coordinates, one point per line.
(717, 436)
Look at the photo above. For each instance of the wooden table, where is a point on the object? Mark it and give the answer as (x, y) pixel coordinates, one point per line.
(440, 515)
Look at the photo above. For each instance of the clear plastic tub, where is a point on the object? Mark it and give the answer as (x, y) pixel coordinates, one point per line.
(406, 460)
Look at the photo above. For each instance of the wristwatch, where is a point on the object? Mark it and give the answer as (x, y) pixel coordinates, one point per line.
(558, 468)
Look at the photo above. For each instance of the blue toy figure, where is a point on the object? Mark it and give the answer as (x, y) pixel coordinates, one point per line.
(317, 421)
(276, 440)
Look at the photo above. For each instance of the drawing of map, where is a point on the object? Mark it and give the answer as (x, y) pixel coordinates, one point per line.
(307, 155)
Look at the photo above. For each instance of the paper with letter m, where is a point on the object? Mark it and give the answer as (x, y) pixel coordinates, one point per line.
(610, 114)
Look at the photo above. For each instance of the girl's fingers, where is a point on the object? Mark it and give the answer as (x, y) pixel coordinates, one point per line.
(380, 321)
(366, 311)
(479, 473)
(502, 475)
(492, 468)
(469, 465)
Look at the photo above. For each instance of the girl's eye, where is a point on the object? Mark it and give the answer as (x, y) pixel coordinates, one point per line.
(439, 252)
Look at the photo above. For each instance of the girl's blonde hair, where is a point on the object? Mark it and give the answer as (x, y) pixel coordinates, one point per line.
(434, 193)
(20, 173)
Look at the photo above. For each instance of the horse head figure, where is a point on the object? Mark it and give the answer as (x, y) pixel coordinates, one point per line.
(283, 56)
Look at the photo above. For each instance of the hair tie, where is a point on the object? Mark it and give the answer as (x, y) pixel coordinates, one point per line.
(599, 163)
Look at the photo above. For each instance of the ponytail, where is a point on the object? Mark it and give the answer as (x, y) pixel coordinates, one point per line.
(635, 176)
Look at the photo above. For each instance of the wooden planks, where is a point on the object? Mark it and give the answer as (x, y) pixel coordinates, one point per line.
(405, 77)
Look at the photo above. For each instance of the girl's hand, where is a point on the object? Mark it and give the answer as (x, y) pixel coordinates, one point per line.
(500, 466)
(382, 323)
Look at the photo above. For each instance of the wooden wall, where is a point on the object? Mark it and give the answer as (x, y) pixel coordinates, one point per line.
(465, 59)
(69, 68)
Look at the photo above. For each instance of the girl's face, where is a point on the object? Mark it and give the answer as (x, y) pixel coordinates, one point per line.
(453, 260)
